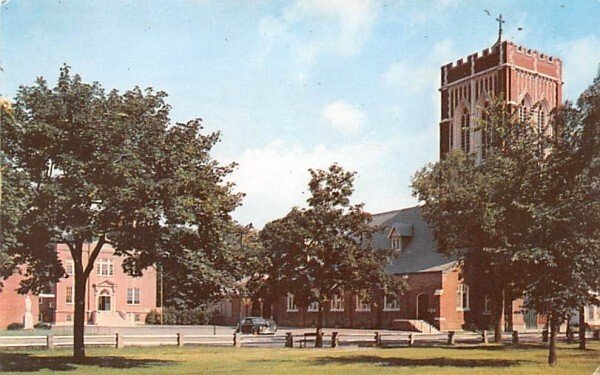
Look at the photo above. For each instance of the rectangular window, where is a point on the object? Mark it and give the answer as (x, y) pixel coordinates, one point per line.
(487, 305)
(136, 318)
(462, 298)
(337, 303)
(225, 308)
(133, 296)
(313, 307)
(69, 294)
(291, 305)
(362, 304)
(69, 267)
(390, 304)
(591, 314)
(69, 318)
(105, 267)
(396, 243)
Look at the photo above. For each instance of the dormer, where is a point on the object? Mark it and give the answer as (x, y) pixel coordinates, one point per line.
(399, 235)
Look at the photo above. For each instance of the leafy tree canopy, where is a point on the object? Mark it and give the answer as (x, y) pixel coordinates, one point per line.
(110, 167)
(326, 249)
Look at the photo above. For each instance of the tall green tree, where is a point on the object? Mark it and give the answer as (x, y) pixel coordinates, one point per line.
(280, 241)
(111, 167)
(469, 202)
(211, 274)
(325, 249)
(529, 209)
(559, 252)
(12, 183)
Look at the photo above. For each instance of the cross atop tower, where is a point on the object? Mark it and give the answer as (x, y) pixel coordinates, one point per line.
(500, 22)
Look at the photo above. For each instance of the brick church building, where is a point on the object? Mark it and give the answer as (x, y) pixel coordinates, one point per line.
(440, 297)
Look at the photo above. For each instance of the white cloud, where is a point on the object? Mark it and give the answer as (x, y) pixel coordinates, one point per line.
(580, 64)
(344, 117)
(275, 177)
(314, 27)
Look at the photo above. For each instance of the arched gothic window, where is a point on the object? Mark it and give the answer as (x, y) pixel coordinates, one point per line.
(465, 131)
(523, 111)
(485, 137)
(541, 120)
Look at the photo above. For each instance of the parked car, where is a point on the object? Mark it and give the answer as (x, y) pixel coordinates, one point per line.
(257, 326)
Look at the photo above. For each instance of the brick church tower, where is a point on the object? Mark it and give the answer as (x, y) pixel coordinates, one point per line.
(527, 79)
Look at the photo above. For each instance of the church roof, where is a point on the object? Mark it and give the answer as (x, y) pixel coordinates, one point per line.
(419, 248)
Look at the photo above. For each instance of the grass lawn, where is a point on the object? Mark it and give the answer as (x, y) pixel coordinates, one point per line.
(171, 360)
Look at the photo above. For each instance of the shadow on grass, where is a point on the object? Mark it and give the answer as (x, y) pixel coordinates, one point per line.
(495, 347)
(25, 362)
(408, 362)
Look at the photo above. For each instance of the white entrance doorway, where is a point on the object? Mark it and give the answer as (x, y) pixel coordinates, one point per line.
(104, 301)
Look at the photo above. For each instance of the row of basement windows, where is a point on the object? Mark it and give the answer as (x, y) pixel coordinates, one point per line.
(104, 267)
(463, 302)
(337, 304)
(133, 295)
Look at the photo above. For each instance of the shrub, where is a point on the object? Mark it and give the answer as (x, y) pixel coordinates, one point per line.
(153, 317)
(195, 316)
(42, 325)
(15, 326)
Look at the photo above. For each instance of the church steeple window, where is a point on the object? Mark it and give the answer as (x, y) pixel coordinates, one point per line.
(523, 111)
(485, 137)
(465, 131)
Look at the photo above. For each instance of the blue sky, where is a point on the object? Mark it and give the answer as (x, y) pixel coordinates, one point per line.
(294, 85)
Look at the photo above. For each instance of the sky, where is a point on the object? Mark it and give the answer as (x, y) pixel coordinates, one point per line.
(294, 85)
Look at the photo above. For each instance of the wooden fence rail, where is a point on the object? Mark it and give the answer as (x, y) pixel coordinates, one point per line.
(333, 339)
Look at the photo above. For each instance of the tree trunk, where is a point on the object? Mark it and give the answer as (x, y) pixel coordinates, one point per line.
(554, 326)
(582, 328)
(79, 318)
(498, 314)
(319, 338)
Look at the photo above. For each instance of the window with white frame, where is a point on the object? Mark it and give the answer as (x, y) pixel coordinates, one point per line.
(313, 307)
(133, 296)
(541, 120)
(390, 303)
(487, 305)
(291, 305)
(69, 267)
(362, 304)
(462, 297)
(105, 267)
(523, 111)
(69, 294)
(396, 243)
(337, 302)
(591, 312)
